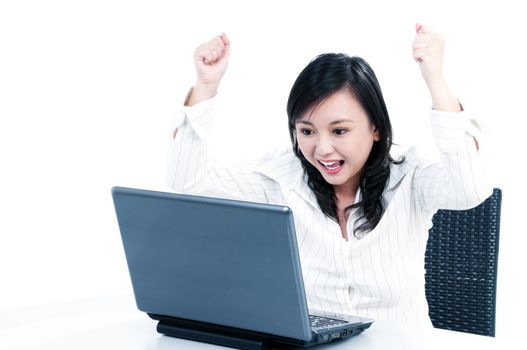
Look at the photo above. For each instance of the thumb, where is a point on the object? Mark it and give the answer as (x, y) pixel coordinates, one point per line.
(418, 27)
(225, 39)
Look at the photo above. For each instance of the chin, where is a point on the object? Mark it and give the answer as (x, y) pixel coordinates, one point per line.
(333, 181)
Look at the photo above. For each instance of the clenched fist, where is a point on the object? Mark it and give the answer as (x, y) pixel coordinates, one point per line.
(211, 60)
(428, 48)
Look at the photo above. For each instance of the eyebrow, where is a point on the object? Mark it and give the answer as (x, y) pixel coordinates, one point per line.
(333, 122)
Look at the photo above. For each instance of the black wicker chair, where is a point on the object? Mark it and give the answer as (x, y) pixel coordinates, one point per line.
(461, 268)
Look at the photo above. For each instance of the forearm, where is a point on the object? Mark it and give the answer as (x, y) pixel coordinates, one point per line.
(443, 100)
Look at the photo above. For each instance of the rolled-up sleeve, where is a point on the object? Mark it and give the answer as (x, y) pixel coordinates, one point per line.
(191, 170)
(458, 181)
(187, 155)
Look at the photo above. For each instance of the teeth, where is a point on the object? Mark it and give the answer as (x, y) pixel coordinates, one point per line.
(331, 165)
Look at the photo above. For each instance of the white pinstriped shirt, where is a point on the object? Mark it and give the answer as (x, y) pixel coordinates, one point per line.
(378, 275)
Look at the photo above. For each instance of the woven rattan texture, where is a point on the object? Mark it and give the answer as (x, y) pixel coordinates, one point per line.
(461, 267)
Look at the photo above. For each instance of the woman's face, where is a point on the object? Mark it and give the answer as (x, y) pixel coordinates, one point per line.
(336, 137)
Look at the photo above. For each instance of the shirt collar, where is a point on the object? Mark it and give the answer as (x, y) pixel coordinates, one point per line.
(285, 168)
(398, 172)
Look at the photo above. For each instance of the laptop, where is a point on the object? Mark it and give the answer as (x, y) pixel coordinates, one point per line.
(221, 271)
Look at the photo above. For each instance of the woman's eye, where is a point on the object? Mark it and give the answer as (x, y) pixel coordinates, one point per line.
(340, 131)
(306, 132)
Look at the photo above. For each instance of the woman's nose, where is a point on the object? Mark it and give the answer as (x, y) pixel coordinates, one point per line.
(324, 147)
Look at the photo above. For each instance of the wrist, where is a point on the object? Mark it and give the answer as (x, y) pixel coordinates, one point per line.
(201, 91)
(206, 86)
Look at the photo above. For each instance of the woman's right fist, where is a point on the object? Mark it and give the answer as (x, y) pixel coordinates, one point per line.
(211, 60)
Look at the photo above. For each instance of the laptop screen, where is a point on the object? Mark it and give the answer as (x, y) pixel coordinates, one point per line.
(213, 260)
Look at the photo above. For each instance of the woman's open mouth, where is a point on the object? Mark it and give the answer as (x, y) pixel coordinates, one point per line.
(331, 167)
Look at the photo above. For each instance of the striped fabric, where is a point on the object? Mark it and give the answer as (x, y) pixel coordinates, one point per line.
(379, 274)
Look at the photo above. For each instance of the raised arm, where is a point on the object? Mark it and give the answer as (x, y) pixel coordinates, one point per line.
(189, 167)
(428, 49)
(459, 181)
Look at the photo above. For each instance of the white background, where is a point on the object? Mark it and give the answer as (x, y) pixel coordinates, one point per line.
(88, 88)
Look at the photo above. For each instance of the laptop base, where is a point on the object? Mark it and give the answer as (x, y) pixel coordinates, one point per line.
(221, 335)
(212, 338)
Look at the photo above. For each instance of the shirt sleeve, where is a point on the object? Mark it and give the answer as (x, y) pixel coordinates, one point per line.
(458, 181)
(191, 170)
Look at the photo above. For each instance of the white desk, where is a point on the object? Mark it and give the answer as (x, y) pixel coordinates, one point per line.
(115, 323)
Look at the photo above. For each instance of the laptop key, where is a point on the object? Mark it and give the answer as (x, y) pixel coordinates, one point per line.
(322, 323)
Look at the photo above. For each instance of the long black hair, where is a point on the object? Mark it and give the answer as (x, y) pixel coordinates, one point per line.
(323, 76)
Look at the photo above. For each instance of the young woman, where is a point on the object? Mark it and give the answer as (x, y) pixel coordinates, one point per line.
(362, 218)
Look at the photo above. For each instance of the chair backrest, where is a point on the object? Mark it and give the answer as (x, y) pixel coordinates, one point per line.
(461, 265)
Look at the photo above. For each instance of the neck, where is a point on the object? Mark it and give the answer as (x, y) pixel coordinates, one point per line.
(345, 194)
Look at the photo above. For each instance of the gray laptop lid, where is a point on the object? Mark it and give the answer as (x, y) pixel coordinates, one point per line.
(214, 260)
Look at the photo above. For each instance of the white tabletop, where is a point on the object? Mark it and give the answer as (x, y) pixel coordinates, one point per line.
(115, 323)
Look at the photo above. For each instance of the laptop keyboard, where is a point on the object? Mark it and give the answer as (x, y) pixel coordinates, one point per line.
(319, 323)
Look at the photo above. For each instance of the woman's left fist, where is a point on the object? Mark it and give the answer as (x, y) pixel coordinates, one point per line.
(428, 48)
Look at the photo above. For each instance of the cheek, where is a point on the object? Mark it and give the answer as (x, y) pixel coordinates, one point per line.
(357, 150)
(306, 148)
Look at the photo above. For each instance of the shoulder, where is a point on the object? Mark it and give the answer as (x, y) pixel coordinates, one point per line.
(406, 163)
(282, 166)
